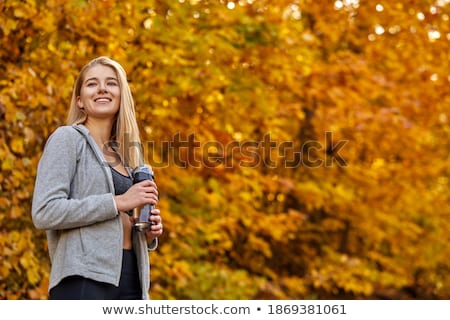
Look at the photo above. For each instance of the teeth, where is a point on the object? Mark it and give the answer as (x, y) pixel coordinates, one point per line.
(102, 100)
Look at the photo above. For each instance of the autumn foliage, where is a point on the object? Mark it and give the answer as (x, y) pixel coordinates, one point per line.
(301, 147)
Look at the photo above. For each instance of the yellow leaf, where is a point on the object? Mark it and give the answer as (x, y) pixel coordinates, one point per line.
(16, 212)
(17, 145)
(7, 164)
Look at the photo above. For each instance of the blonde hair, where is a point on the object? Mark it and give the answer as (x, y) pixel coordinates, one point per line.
(125, 132)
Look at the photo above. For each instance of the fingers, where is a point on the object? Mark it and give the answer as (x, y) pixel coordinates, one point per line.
(156, 228)
(149, 191)
(147, 183)
(156, 213)
(155, 217)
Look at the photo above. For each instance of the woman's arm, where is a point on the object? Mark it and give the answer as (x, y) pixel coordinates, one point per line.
(52, 207)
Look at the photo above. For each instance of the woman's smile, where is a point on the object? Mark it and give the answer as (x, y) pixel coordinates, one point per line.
(100, 93)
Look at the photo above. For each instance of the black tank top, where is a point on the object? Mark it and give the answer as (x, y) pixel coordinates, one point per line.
(121, 183)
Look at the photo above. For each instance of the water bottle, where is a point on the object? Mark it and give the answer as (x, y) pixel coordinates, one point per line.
(142, 213)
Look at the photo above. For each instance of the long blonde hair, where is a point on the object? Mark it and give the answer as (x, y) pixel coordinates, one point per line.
(125, 132)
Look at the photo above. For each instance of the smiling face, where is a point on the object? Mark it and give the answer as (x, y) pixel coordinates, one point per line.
(100, 93)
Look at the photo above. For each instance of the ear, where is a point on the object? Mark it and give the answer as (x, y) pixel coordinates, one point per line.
(79, 103)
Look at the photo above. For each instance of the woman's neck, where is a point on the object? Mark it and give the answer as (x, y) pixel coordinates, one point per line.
(100, 130)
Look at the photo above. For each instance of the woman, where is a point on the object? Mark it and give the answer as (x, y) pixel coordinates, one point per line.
(84, 192)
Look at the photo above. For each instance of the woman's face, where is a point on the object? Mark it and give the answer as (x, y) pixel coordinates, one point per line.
(100, 93)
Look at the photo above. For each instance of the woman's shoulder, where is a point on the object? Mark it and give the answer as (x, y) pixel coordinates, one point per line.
(70, 130)
(65, 135)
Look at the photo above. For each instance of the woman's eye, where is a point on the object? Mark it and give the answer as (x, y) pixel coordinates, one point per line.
(112, 83)
(91, 84)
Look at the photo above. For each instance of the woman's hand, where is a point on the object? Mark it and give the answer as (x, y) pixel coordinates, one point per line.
(156, 228)
(139, 194)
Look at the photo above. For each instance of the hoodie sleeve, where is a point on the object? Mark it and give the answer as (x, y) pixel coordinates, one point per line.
(52, 207)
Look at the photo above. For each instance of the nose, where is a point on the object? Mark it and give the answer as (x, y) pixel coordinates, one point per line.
(102, 87)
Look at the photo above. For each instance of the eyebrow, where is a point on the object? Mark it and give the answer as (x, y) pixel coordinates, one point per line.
(95, 78)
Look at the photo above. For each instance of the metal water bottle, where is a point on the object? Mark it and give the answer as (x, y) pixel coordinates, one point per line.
(142, 213)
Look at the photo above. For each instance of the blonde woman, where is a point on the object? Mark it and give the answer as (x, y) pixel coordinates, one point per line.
(84, 192)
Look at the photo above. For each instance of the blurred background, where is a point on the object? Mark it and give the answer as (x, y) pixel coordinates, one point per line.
(301, 147)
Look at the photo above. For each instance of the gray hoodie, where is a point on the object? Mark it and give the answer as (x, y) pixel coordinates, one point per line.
(73, 201)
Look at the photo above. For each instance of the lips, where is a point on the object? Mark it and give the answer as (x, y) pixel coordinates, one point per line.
(103, 100)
